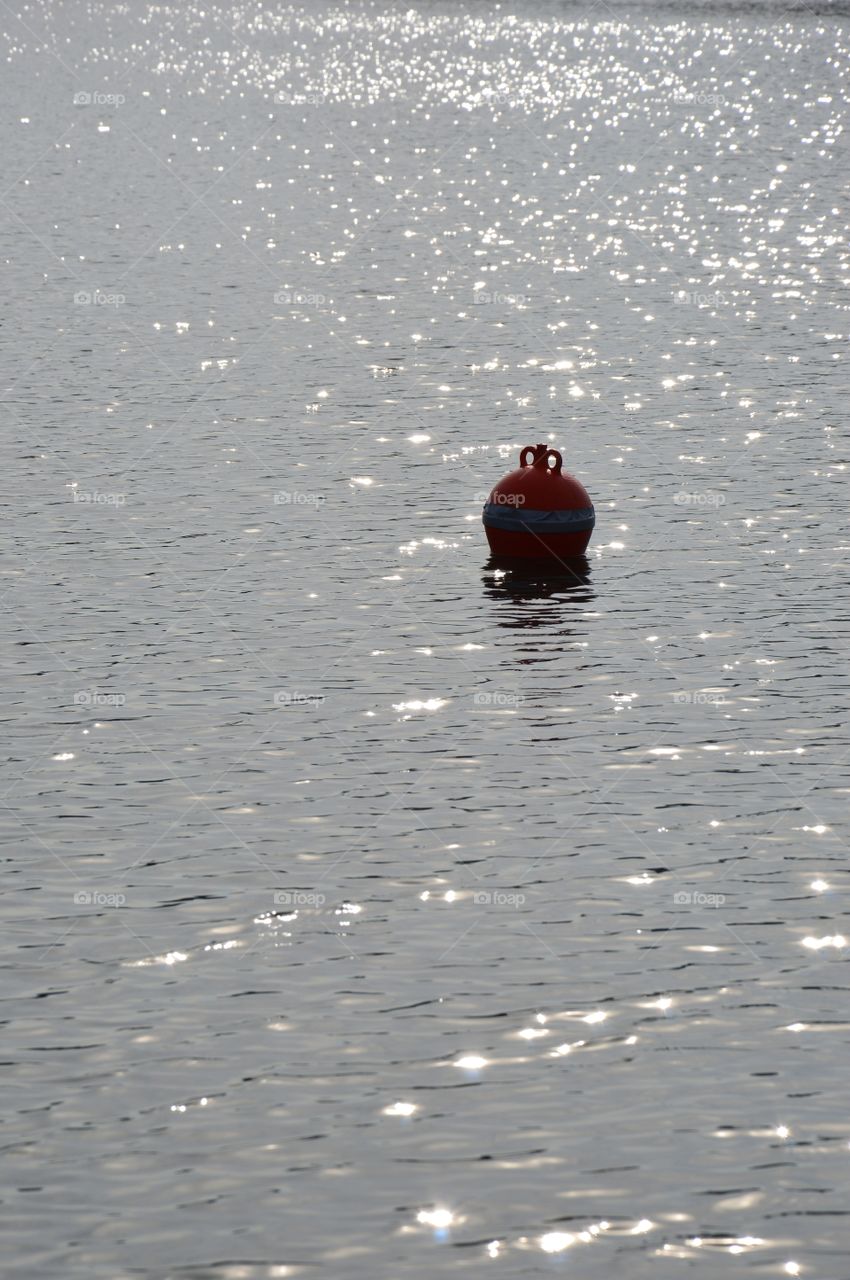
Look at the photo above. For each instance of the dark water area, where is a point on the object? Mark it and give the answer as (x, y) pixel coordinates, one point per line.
(372, 907)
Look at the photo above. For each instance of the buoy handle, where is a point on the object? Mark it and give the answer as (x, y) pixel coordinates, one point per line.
(540, 455)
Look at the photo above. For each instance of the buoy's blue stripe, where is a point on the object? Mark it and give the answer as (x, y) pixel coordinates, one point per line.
(525, 520)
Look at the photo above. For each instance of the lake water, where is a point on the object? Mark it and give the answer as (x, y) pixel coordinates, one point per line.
(371, 910)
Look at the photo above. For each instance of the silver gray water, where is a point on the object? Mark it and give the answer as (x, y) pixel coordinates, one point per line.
(371, 909)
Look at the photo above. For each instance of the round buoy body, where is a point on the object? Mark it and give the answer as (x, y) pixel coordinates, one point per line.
(539, 511)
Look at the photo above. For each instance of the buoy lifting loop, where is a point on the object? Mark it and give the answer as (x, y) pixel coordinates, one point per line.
(540, 457)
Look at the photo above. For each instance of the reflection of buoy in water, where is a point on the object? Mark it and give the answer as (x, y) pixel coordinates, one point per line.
(539, 510)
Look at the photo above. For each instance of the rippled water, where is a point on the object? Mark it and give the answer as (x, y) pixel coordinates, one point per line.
(369, 909)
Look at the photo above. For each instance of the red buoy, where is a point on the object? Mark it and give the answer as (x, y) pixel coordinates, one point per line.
(539, 510)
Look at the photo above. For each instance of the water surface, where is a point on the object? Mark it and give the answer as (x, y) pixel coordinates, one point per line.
(370, 909)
